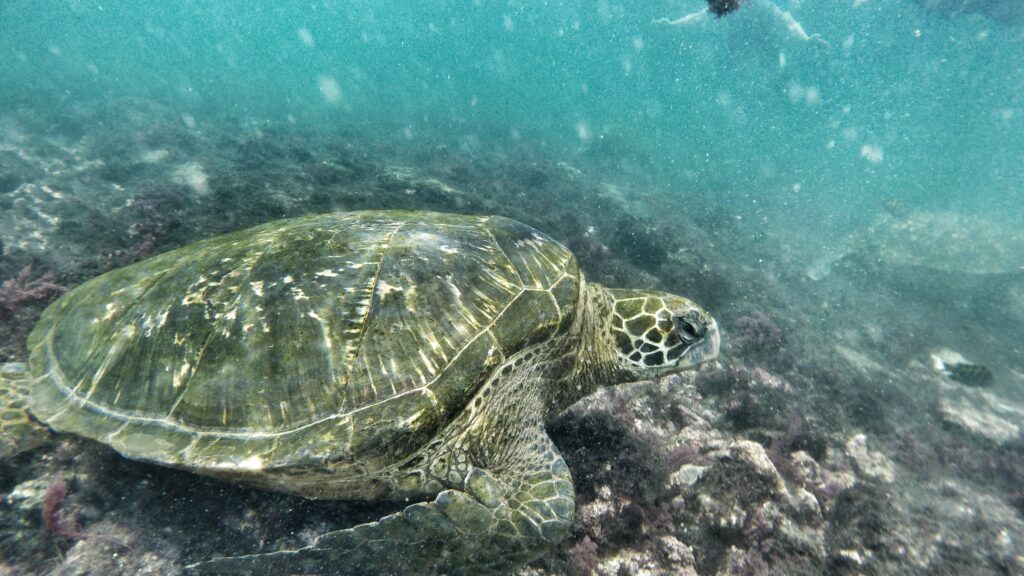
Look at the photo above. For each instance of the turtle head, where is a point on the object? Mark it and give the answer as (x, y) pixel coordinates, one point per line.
(656, 333)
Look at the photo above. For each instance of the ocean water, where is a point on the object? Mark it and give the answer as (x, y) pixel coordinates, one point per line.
(841, 183)
(902, 102)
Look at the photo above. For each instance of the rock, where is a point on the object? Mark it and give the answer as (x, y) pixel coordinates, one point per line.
(824, 483)
(850, 556)
(949, 242)
(193, 175)
(860, 361)
(742, 498)
(742, 562)
(921, 528)
(595, 515)
(32, 219)
(21, 521)
(408, 181)
(981, 413)
(747, 460)
(670, 557)
(27, 498)
(678, 555)
(687, 475)
(941, 256)
(873, 465)
(95, 556)
(741, 478)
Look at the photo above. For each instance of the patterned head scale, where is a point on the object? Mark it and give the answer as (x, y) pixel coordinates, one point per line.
(661, 332)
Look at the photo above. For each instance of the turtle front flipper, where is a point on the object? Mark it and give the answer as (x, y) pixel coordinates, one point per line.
(18, 431)
(500, 519)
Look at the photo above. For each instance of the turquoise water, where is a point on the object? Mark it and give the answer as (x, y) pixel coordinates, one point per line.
(737, 106)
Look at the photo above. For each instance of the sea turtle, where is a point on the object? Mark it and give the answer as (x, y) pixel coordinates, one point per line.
(406, 356)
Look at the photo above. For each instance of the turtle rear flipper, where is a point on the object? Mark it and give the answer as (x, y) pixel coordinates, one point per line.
(497, 521)
(18, 430)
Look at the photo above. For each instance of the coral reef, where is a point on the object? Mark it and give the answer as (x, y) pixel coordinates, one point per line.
(822, 444)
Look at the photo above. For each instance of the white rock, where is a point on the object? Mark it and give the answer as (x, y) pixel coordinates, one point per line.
(981, 413)
(687, 475)
(871, 464)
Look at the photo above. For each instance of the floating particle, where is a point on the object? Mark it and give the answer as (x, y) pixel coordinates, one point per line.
(872, 153)
(329, 88)
(583, 131)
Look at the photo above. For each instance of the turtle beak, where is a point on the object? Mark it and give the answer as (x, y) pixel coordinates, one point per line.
(703, 350)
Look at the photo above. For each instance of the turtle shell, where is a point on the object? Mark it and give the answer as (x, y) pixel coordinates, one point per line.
(344, 337)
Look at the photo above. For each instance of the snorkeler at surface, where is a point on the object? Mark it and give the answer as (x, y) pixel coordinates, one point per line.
(720, 8)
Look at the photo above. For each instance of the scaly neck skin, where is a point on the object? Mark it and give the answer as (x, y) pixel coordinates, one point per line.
(587, 351)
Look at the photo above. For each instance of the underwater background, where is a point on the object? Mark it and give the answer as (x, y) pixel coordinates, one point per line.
(840, 183)
(739, 106)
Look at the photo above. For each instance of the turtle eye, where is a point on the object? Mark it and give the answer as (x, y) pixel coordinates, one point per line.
(688, 329)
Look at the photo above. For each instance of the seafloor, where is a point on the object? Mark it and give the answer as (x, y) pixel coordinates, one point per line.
(823, 442)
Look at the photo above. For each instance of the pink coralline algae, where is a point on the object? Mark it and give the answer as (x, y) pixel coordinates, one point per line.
(53, 503)
(53, 508)
(756, 333)
(17, 291)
